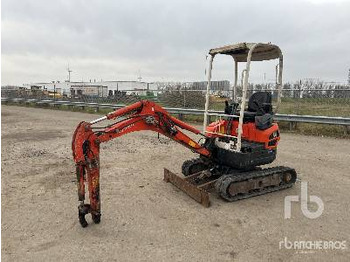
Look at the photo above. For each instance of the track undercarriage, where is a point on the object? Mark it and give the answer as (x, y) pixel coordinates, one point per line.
(230, 184)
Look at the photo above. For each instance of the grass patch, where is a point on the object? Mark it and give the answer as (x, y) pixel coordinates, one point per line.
(316, 129)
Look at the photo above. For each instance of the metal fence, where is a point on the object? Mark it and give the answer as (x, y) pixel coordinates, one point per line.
(299, 98)
(293, 119)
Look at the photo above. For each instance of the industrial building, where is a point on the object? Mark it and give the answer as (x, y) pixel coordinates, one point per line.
(78, 91)
(93, 88)
(221, 85)
(115, 87)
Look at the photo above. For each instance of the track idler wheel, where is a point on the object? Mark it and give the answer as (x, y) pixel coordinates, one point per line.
(193, 166)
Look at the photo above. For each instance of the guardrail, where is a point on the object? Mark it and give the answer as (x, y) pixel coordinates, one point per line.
(343, 121)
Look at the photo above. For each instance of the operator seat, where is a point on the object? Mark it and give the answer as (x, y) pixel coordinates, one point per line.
(260, 105)
(260, 102)
(259, 110)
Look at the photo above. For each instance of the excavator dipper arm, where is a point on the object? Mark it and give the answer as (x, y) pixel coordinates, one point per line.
(142, 115)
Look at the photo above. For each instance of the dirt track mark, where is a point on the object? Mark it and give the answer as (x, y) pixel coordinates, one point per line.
(41, 135)
(57, 180)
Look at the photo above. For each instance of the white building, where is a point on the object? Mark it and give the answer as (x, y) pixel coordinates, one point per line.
(130, 87)
(88, 90)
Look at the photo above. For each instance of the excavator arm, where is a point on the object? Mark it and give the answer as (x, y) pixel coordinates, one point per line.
(142, 115)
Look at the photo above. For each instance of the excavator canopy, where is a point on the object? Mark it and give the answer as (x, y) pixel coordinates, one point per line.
(240, 51)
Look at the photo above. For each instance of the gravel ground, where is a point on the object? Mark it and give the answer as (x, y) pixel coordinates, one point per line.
(145, 219)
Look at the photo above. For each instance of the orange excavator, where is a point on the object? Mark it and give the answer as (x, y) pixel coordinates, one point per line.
(233, 148)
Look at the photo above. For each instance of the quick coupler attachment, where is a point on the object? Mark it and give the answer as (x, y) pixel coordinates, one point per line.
(85, 209)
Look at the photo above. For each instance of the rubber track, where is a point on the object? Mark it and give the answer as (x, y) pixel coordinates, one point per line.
(225, 181)
(186, 166)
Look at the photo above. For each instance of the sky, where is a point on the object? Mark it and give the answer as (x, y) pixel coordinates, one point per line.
(169, 40)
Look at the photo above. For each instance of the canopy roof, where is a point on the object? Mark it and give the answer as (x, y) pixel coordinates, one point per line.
(240, 51)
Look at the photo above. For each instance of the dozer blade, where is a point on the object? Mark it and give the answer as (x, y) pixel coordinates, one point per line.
(197, 192)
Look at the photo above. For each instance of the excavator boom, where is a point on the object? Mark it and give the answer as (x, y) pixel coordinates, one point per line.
(142, 115)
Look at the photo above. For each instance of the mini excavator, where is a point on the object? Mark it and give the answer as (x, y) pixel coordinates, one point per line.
(231, 152)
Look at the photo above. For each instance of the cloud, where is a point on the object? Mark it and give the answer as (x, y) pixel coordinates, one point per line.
(167, 40)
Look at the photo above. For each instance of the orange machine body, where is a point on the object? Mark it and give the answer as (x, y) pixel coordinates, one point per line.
(269, 137)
